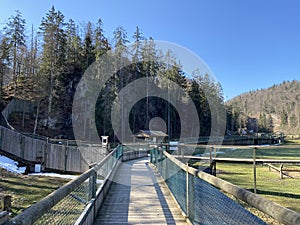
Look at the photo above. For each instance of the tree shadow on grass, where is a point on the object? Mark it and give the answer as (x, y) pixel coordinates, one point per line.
(275, 193)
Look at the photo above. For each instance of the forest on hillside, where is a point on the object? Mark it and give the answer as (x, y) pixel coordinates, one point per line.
(267, 110)
(46, 66)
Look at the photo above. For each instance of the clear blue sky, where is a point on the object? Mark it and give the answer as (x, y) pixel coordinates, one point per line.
(248, 44)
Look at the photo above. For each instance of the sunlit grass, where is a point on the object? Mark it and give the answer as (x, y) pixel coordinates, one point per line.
(285, 191)
(293, 142)
(27, 190)
(263, 152)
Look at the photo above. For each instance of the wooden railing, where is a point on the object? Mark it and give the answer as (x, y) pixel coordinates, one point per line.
(279, 213)
(85, 189)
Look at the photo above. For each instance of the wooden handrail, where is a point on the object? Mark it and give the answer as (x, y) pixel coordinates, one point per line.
(272, 209)
(34, 212)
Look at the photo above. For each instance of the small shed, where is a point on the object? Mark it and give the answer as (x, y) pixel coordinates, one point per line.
(151, 136)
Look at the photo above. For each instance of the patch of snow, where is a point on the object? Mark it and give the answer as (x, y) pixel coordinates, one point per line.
(65, 176)
(11, 165)
(264, 145)
(207, 153)
(99, 181)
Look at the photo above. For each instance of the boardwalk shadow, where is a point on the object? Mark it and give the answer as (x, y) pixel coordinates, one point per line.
(164, 205)
(136, 197)
(115, 206)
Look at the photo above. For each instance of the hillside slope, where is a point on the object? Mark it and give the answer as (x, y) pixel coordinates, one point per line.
(276, 108)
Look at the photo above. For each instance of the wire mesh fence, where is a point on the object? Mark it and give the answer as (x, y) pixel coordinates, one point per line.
(68, 210)
(265, 217)
(66, 205)
(202, 202)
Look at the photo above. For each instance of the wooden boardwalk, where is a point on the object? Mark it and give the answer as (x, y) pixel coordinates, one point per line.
(137, 196)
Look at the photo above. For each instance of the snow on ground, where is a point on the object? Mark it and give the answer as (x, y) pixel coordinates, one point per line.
(11, 165)
(66, 176)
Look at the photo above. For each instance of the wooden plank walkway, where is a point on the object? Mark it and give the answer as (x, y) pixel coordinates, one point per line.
(137, 196)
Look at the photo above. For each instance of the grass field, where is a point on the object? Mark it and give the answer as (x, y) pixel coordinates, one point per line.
(27, 190)
(287, 151)
(285, 192)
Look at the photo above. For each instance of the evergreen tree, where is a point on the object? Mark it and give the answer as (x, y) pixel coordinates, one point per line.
(262, 123)
(4, 61)
(284, 118)
(138, 40)
(270, 124)
(101, 42)
(120, 53)
(88, 48)
(137, 45)
(15, 32)
(73, 48)
(54, 52)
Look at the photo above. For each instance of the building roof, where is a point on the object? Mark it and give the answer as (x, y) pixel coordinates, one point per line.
(150, 133)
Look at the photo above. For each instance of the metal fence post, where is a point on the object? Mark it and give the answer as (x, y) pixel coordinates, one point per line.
(254, 170)
(65, 148)
(92, 185)
(22, 146)
(151, 156)
(187, 191)
(167, 169)
(191, 193)
(161, 161)
(156, 156)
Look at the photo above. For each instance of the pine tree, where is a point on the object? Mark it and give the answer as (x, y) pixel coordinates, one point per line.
(73, 44)
(88, 48)
(120, 38)
(54, 50)
(270, 124)
(136, 50)
(138, 40)
(15, 32)
(284, 117)
(4, 61)
(101, 42)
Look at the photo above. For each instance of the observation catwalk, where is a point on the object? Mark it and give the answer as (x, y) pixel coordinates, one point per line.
(138, 196)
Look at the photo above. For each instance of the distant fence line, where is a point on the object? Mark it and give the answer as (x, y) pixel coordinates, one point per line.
(53, 156)
(234, 140)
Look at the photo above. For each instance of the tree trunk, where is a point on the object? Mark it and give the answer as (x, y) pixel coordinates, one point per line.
(36, 117)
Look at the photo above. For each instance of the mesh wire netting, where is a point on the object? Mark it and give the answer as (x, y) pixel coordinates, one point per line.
(268, 219)
(68, 210)
(203, 203)
(211, 206)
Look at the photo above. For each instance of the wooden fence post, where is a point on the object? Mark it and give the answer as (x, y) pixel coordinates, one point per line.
(281, 172)
(254, 170)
